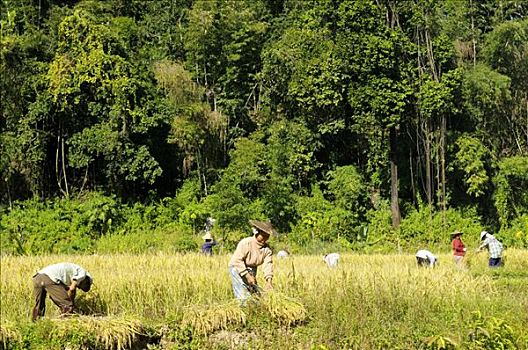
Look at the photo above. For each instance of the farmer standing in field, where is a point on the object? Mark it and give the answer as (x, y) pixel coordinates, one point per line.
(61, 282)
(459, 250)
(209, 243)
(250, 253)
(494, 248)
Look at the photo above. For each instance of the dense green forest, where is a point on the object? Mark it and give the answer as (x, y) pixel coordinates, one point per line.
(367, 123)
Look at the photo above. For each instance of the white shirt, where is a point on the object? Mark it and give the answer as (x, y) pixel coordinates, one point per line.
(331, 259)
(425, 254)
(65, 272)
(282, 254)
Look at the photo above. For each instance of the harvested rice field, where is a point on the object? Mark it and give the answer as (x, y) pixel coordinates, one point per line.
(163, 301)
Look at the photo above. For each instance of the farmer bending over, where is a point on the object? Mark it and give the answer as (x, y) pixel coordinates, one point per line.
(250, 253)
(425, 258)
(61, 282)
(331, 259)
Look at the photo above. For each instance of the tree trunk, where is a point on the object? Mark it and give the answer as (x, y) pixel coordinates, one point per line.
(395, 208)
(428, 180)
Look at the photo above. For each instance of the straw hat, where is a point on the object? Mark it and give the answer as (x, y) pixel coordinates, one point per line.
(207, 236)
(456, 233)
(265, 227)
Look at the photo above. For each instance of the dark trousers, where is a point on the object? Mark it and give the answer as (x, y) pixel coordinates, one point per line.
(494, 262)
(58, 292)
(422, 261)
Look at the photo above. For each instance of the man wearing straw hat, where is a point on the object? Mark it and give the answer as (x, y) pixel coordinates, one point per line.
(459, 250)
(61, 282)
(209, 243)
(250, 253)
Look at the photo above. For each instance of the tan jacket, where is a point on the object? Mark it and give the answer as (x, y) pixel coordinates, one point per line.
(250, 253)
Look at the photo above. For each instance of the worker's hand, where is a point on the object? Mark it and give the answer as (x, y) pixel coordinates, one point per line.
(269, 284)
(251, 280)
(71, 293)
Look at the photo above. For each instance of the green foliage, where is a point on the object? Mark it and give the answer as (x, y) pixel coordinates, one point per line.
(379, 229)
(509, 201)
(490, 333)
(516, 233)
(429, 226)
(97, 223)
(440, 343)
(63, 226)
(170, 239)
(471, 158)
(348, 189)
(321, 220)
(255, 103)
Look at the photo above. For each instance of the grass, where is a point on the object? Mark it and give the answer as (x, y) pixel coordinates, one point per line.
(185, 301)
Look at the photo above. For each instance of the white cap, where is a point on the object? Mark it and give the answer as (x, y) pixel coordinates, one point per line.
(483, 234)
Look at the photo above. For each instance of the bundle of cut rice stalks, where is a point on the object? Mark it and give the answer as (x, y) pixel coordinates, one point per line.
(9, 334)
(104, 332)
(91, 304)
(208, 318)
(284, 309)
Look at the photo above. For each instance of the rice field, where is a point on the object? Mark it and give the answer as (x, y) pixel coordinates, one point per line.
(163, 301)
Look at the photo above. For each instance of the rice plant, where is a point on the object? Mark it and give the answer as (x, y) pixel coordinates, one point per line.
(368, 301)
(206, 319)
(284, 309)
(8, 333)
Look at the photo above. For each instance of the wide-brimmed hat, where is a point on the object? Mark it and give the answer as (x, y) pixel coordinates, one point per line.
(456, 233)
(263, 226)
(483, 234)
(207, 236)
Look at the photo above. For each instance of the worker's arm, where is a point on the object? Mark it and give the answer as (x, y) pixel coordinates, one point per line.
(72, 290)
(268, 268)
(239, 258)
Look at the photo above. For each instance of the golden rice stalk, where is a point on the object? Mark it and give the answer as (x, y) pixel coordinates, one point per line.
(207, 319)
(108, 332)
(91, 304)
(9, 334)
(284, 309)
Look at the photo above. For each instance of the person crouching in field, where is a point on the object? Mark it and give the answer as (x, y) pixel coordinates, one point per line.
(61, 282)
(426, 258)
(494, 248)
(250, 253)
(331, 259)
(459, 250)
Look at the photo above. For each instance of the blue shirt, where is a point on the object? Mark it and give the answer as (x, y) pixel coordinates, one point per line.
(207, 247)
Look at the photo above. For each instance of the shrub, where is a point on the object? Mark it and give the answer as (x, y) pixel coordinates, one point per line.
(426, 225)
(516, 234)
(490, 333)
(60, 226)
(171, 238)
